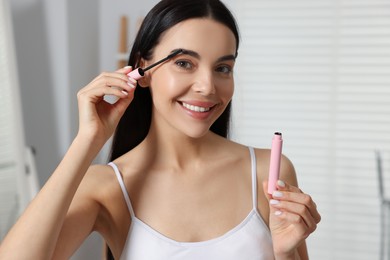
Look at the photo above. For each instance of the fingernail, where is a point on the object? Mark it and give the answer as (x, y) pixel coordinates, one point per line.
(278, 213)
(281, 183)
(124, 92)
(132, 80)
(131, 84)
(274, 202)
(277, 194)
(127, 67)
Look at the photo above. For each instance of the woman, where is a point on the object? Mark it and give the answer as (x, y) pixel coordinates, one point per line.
(177, 188)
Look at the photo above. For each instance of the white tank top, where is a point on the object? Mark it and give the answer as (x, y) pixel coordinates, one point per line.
(250, 240)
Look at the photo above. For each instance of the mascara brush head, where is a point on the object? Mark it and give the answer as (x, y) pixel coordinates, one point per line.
(139, 72)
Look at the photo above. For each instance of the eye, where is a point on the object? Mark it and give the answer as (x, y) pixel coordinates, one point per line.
(225, 69)
(184, 64)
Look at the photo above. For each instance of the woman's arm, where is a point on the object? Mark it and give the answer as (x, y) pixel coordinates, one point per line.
(84, 212)
(293, 216)
(35, 234)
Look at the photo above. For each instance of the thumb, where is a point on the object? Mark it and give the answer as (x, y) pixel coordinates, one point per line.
(125, 70)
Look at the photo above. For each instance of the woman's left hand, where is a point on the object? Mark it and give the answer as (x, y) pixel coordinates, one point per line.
(293, 217)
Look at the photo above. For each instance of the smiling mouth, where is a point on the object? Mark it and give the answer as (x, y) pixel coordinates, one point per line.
(196, 108)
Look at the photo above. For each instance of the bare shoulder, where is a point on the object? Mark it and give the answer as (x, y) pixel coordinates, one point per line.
(100, 186)
(287, 170)
(86, 207)
(231, 147)
(94, 190)
(97, 180)
(98, 189)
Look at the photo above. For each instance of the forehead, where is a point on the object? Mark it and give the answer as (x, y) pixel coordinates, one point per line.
(202, 35)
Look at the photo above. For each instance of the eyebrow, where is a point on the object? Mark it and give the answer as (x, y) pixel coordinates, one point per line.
(197, 56)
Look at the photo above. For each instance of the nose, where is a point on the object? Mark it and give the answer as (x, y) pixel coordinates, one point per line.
(204, 83)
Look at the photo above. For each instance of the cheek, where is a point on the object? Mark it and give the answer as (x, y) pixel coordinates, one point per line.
(168, 84)
(226, 89)
(174, 84)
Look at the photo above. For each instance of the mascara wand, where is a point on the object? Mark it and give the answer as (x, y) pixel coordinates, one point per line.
(140, 72)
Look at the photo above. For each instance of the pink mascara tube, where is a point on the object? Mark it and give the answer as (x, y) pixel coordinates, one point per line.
(274, 167)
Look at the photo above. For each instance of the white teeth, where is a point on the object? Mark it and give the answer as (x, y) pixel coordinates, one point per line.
(195, 108)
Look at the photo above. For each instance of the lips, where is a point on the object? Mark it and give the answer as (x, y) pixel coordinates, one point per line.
(199, 110)
(195, 108)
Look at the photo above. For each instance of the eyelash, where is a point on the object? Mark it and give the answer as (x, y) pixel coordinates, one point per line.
(186, 65)
(225, 69)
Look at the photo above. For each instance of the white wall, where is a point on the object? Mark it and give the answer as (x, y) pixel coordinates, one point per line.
(36, 81)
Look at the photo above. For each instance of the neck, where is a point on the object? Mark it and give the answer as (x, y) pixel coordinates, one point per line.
(177, 150)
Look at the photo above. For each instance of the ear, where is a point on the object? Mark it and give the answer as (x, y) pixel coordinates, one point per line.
(144, 82)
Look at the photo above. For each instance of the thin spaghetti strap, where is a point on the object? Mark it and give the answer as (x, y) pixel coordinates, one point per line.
(254, 177)
(123, 187)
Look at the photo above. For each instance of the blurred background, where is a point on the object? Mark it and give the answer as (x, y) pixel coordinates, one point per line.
(318, 71)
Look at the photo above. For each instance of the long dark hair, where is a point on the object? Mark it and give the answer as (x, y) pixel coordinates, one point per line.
(135, 123)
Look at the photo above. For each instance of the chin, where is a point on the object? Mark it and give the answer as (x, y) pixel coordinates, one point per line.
(196, 132)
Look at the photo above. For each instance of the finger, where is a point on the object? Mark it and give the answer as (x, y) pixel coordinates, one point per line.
(294, 194)
(125, 69)
(113, 99)
(94, 95)
(107, 86)
(296, 209)
(273, 211)
(293, 222)
(122, 104)
(281, 185)
(107, 76)
(116, 82)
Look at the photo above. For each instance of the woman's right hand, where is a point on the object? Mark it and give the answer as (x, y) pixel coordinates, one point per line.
(98, 118)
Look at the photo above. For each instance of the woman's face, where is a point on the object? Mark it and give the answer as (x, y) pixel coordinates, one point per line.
(191, 90)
